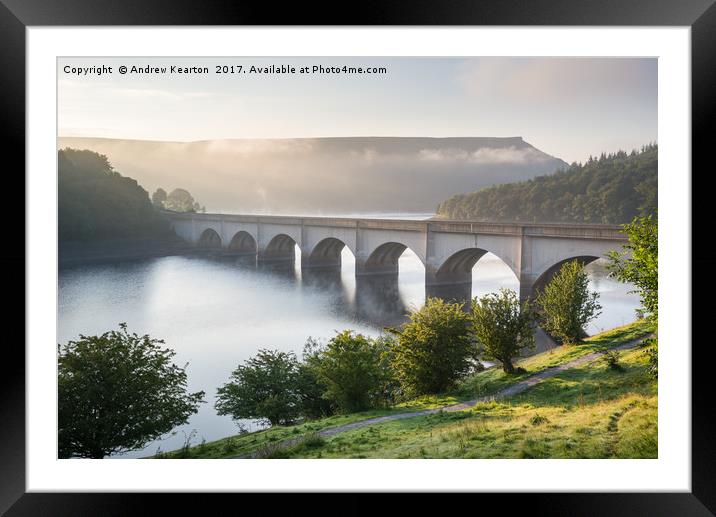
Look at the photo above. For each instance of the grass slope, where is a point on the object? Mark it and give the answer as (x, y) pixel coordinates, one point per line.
(591, 411)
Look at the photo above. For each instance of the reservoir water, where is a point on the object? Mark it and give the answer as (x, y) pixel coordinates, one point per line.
(217, 312)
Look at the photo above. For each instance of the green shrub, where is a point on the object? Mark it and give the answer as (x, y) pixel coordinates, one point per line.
(538, 420)
(353, 368)
(313, 440)
(566, 305)
(612, 359)
(310, 387)
(652, 354)
(642, 268)
(265, 387)
(502, 327)
(434, 349)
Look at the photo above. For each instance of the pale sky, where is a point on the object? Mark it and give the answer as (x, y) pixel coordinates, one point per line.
(566, 107)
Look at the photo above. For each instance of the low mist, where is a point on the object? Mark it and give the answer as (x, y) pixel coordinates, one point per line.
(323, 175)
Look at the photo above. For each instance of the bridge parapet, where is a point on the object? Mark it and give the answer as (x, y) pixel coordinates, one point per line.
(577, 232)
(393, 224)
(330, 221)
(475, 227)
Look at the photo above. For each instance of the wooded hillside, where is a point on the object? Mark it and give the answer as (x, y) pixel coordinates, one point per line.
(95, 202)
(611, 189)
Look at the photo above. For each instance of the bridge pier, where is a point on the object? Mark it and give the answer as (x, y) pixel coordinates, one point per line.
(383, 270)
(328, 263)
(280, 250)
(460, 293)
(527, 290)
(276, 257)
(377, 298)
(328, 279)
(452, 286)
(326, 255)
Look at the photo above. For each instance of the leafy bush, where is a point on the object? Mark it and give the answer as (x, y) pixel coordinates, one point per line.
(353, 368)
(612, 359)
(117, 392)
(538, 420)
(310, 387)
(502, 328)
(313, 440)
(642, 269)
(566, 305)
(265, 387)
(434, 349)
(652, 354)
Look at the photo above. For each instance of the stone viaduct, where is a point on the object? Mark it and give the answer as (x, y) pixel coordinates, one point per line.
(447, 249)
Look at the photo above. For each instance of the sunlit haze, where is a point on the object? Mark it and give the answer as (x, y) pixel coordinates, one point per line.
(566, 107)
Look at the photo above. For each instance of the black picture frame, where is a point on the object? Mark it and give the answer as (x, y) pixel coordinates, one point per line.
(700, 15)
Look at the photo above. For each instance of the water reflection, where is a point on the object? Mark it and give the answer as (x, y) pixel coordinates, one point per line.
(458, 293)
(217, 311)
(378, 300)
(328, 282)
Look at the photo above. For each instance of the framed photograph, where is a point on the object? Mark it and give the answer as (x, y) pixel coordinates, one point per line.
(414, 251)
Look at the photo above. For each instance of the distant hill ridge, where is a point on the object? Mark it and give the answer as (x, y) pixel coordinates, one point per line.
(324, 175)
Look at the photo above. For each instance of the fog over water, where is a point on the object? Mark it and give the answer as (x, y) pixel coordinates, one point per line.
(320, 175)
(217, 312)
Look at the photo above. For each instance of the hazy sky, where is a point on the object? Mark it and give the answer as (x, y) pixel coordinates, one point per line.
(567, 107)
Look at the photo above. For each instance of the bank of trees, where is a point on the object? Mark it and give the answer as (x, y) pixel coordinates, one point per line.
(95, 202)
(610, 189)
(178, 200)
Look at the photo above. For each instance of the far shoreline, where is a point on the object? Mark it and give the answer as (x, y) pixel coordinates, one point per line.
(77, 253)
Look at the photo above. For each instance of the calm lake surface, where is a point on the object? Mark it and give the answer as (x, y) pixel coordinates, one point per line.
(217, 312)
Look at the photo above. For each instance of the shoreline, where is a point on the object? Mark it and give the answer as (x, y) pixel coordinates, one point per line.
(76, 253)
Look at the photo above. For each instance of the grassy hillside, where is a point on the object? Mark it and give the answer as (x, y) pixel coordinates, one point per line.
(586, 412)
(611, 189)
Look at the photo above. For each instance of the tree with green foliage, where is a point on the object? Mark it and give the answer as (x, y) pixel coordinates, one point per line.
(353, 368)
(95, 202)
(180, 200)
(566, 305)
(310, 387)
(502, 327)
(434, 349)
(117, 392)
(159, 198)
(642, 268)
(264, 387)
